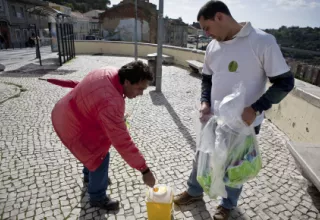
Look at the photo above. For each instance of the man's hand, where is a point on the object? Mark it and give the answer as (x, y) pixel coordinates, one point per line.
(248, 115)
(149, 179)
(204, 112)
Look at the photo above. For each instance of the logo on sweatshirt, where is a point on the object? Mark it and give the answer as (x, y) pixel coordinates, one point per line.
(233, 66)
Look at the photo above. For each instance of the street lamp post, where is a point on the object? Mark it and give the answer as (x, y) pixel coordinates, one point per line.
(136, 32)
(38, 54)
(159, 50)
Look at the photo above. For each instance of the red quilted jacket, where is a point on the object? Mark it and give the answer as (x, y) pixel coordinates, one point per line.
(90, 118)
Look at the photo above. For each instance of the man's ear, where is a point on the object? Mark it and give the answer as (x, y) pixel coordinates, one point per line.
(126, 82)
(219, 16)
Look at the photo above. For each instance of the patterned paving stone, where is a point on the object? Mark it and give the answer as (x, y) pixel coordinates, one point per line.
(40, 179)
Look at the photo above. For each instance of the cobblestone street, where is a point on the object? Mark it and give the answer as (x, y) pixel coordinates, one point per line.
(40, 179)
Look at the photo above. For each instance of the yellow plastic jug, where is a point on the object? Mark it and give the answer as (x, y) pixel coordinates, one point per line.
(159, 202)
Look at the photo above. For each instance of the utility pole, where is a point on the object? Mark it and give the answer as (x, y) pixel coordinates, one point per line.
(136, 32)
(197, 41)
(38, 54)
(159, 51)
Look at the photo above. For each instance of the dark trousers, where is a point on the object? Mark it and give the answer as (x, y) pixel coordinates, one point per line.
(98, 180)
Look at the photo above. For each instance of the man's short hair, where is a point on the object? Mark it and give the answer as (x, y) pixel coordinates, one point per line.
(211, 8)
(135, 72)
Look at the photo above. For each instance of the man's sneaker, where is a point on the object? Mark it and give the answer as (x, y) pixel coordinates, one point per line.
(185, 199)
(222, 213)
(86, 180)
(106, 203)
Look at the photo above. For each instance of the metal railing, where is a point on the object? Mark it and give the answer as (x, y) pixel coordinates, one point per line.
(65, 37)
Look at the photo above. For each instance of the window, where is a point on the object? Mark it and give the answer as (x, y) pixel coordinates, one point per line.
(18, 36)
(25, 34)
(22, 12)
(14, 12)
(1, 6)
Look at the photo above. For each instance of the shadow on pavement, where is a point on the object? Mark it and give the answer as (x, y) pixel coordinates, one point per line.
(195, 74)
(238, 214)
(86, 209)
(49, 62)
(198, 210)
(192, 72)
(159, 99)
(34, 70)
(84, 202)
(315, 196)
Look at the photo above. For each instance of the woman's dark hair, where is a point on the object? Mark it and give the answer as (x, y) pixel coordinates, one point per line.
(135, 72)
(211, 8)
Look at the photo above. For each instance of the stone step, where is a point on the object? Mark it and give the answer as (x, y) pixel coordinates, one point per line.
(307, 159)
(2, 67)
(196, 65)
(166, 59)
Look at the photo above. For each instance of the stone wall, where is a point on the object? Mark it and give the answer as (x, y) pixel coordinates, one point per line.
(175, 32)
(305, 72)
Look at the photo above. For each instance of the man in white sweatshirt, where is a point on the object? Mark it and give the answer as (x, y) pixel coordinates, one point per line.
(238, 52)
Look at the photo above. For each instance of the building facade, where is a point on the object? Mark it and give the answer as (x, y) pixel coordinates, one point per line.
(94, 22)
(200, 32)
(192, 30)
(118, 22)
(81, 25)
(175, 32)
(15, 21)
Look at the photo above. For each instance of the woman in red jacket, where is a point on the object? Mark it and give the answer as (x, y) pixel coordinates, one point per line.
(90, 118)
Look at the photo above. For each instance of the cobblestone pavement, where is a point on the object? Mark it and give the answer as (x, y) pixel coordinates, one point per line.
(40, 179)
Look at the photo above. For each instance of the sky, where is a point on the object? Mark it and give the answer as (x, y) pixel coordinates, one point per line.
(261, 13)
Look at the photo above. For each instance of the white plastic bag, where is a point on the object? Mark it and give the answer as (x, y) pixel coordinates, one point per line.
(199, 125)
(228, 149)
(205, 140)
(209, 175)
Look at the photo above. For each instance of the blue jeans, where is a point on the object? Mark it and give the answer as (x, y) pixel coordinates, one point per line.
(194, 188)
(98, 180)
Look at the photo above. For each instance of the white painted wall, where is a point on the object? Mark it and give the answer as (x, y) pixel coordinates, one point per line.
(125, 31)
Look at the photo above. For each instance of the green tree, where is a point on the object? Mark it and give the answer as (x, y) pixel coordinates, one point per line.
(70, 5)
(297, 37)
